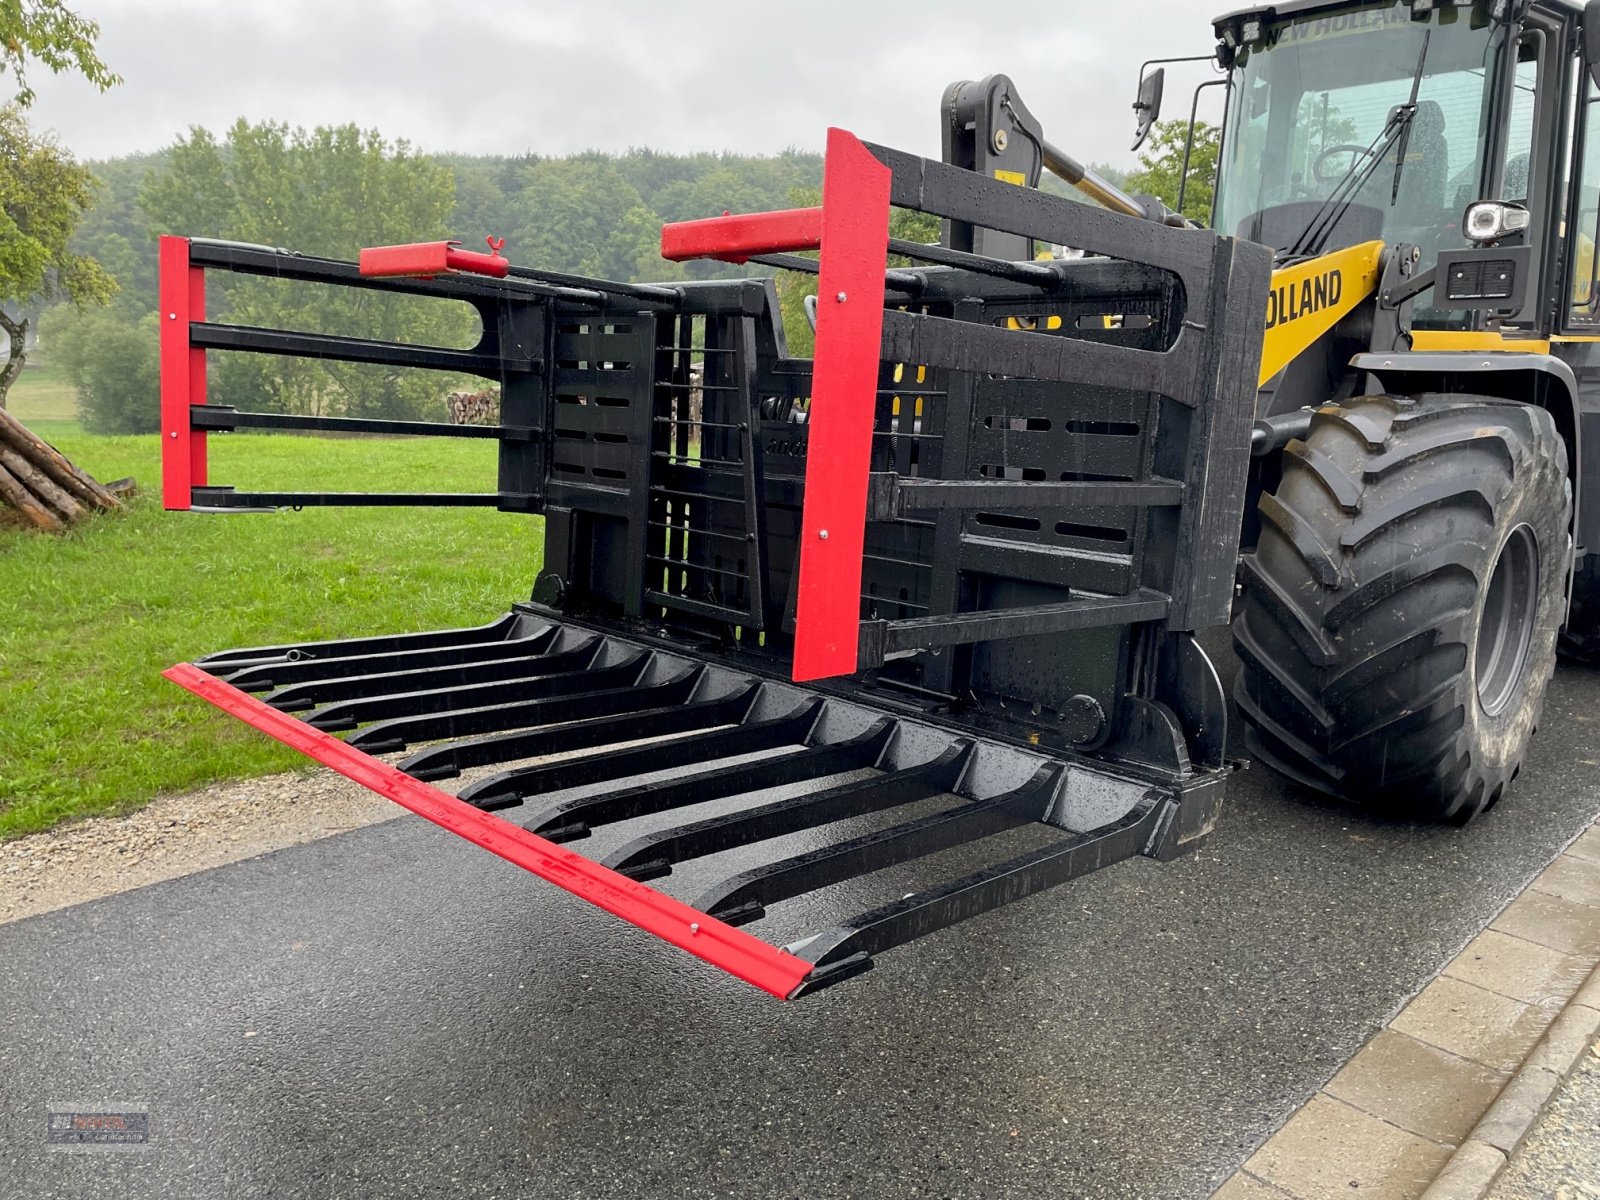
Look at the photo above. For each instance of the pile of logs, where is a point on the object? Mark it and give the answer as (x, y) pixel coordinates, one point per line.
(37, 481)
(474, 408)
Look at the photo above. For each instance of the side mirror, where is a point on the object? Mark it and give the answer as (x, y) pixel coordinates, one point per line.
(1591, 39)
(1148, 105)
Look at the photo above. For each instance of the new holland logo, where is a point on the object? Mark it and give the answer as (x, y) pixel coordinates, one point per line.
(1291, 301)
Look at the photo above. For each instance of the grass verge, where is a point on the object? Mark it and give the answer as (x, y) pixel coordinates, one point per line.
(89, 619)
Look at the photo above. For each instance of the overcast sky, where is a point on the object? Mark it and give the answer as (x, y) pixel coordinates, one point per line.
(561, 76)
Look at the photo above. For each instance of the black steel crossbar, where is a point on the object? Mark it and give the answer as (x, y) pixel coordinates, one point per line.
(879, 639)
(891, 496)
(648, 292)
(579, 679)
(962, 195)
(692, 716)
(899, 281)
(574, 818)
(223, 418)
(386, 736)
(511, 787)
(703, 608)
(744, 897)
(968, 346)
(653, 855)
(296, 697)
(357, 350)
(266, 676)
(227, 497)
(1029, 273)
(247, 259)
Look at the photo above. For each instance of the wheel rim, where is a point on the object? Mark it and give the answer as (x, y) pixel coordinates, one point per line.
(1506, 626)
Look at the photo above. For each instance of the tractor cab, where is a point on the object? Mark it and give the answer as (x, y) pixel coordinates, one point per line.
(1387, 121)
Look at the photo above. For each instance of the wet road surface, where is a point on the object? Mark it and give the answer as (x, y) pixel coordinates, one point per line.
(393, 1012)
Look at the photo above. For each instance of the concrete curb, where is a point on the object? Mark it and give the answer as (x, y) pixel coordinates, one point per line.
(1478, 1161)
(1437, 1102)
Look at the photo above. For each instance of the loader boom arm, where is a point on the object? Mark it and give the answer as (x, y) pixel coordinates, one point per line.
(1309, 298)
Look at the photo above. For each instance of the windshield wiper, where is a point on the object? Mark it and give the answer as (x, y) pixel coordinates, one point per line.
(1312, 238)
(1411, 103)
(1397, 128)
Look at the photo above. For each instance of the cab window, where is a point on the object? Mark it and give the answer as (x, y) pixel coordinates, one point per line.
(1584, 228)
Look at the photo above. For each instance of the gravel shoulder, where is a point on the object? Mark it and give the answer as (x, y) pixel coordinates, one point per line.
(1561, 1157)
(177, 835)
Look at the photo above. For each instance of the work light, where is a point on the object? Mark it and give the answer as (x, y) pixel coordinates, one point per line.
(1488, 221)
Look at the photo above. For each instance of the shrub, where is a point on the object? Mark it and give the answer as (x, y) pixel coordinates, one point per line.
(112, 360)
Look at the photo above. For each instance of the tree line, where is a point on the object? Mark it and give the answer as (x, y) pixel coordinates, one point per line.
(330, 191)
(84, 240)
(81, 244)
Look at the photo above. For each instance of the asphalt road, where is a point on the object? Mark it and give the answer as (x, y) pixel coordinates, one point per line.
(392, 1012)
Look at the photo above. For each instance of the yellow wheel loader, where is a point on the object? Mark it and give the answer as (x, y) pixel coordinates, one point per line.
(1416, 545)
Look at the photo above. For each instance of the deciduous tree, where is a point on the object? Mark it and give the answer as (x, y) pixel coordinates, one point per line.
(582, 215)
(326, 191)
(42, 194)
(110, 358)
(51, 34)
(1161, 167)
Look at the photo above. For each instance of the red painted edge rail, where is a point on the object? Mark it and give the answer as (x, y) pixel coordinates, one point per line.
(428, 259)
(735, 237)
(748, 958)
(844, 386)
(183, 374)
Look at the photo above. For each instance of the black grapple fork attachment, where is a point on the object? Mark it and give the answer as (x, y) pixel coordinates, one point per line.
(877, 641)
(688, 733)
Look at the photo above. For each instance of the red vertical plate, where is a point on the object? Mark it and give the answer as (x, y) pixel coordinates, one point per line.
(844, 385)
(183, 374)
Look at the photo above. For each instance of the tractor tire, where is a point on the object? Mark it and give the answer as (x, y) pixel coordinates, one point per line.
(1398, 624)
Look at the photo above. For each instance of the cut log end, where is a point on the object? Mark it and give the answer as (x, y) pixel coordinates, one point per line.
(39, 484)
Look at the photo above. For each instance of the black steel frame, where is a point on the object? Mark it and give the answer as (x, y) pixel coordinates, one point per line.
(1059, 459)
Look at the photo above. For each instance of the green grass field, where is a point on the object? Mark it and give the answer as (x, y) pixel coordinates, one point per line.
(42, 394)
(89, 619)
